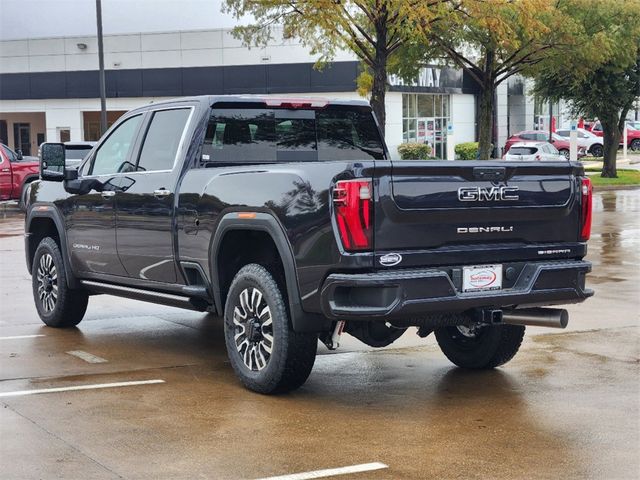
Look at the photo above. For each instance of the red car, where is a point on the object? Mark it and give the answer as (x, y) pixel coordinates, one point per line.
(16, 173)
(633, 135)
(561, 144)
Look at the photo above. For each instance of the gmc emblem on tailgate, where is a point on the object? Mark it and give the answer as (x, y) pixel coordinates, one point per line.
(488, 194)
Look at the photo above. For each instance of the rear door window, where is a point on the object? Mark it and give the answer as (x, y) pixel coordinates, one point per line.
(162, 139)
(237, 135)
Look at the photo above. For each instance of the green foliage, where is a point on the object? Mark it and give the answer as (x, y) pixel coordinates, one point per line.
(374, 30)
(414, 151)
(624, 178)
(492, 40)
(602, 78)
(467, 151)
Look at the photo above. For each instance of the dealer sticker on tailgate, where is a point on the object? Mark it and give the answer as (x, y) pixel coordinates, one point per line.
(482, 277)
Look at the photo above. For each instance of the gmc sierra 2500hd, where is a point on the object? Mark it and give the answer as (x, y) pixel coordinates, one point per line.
(288, 218)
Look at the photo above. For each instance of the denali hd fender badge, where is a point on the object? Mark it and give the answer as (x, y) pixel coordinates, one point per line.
(485, 229)
(390, 259)
(488, 194)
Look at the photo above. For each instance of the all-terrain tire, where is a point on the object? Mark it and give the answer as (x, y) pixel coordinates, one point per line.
(57, 304)
(265, 352)
(488, 347)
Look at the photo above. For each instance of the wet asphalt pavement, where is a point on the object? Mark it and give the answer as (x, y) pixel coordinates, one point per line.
(567, 406)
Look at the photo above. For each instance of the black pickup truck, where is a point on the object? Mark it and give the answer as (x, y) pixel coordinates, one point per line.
(288, 218)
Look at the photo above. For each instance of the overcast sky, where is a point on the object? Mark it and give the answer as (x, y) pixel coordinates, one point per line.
(57, 18)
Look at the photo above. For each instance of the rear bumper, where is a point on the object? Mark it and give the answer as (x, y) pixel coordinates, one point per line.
(415, 292)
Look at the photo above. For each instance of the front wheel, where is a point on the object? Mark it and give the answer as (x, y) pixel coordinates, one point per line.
(565, 153)
(265, 352)
(480, 347)
(635, 145)
(57, 304)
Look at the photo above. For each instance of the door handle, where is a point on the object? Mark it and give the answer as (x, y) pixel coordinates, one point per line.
(107, 194)
(5, 169)
(161, 193)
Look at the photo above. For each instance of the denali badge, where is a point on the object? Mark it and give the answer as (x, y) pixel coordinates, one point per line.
(390, 259)
(488, 194)
(485, 229)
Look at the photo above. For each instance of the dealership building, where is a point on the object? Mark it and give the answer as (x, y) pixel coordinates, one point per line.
(49, 87)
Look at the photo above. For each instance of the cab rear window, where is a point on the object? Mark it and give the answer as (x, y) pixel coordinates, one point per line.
(246, 135)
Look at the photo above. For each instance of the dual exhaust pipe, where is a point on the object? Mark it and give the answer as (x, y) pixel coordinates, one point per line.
(535, 317)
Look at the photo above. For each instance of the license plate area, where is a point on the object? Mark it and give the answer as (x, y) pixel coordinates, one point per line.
(479, 278)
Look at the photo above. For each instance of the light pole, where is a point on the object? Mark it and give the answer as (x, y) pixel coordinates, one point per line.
(103, 95)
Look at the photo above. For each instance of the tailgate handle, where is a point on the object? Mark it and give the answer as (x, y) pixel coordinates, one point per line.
(489, 173)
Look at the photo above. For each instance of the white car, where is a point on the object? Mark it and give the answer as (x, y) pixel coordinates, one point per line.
(534, 151)
(589, 141)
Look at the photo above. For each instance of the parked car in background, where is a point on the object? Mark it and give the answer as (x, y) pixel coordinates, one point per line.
(589, 141)
(534, 151)
(16, 174)
(561, 144)
(633, 135)
(75, 152)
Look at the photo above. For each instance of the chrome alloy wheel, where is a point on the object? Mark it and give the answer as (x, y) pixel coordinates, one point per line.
(47, 282)
(253, 329)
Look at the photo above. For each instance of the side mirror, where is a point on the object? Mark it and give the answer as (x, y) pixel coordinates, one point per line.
(52, 160)
(19, 154)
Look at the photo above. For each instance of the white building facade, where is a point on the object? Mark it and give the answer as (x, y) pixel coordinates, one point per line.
(49, 86)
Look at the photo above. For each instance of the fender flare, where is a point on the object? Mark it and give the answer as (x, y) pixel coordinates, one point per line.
(40, 210)
(302, 321)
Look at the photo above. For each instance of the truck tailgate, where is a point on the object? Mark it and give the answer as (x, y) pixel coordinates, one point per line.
(433, 206)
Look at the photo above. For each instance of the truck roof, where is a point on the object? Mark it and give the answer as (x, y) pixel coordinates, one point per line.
(269, 99)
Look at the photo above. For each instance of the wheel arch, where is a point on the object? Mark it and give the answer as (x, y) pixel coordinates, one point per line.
(265, 224)
(45, 221)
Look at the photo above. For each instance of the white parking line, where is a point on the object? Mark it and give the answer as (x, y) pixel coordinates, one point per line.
(15, 337)
(330, 472)
(87, 357)
(79, 387)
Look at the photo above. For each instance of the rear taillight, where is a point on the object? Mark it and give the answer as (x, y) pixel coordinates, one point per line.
(352, 200)
(587, 195)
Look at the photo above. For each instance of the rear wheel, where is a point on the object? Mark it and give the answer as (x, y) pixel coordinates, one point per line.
(596, 150)
(480, 347)
(265, 352)
(635, 144)
(57, 304)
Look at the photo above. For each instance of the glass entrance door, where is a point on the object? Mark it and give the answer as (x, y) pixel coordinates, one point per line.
(22, 137)
(426, 131)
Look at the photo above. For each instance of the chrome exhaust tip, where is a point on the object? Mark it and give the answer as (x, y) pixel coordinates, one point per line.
(537, 317)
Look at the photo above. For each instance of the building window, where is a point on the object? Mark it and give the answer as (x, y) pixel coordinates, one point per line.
(64, 134)
(424, 120)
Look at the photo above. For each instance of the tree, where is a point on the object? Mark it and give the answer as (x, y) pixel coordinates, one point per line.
(601, 79)
(374, 30)
(492, 41)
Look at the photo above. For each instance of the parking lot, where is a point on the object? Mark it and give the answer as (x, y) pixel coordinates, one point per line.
(169, 406)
